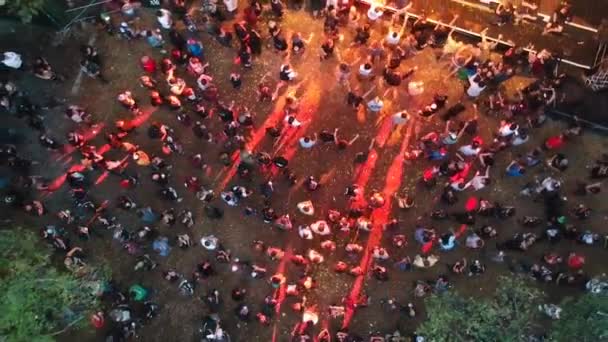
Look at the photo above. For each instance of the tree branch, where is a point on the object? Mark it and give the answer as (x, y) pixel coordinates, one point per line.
(67, 327)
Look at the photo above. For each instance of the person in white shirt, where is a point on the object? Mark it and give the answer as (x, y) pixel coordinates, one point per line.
(307, 142)
(400, 118)
(292, 121)
(231, 6)
(305, 232)
(476, 86)
(507, 129)
(375, 105)
(550, 184)
(365, 70)
(374, 13)
(210, 242)
(12, 60)
(473, 241)
(471, 149)
(176, 85)
(204, 81)
(394, 36)
(163, 17)
(480, 181)
(230, 198)
(521, 137)
(333, 3)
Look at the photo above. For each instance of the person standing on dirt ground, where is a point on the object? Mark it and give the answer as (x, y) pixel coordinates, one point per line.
(232, 7)
(163, 16)
(12, 60)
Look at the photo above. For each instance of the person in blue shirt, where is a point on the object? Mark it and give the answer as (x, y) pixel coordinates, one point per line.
(195, 48)
(438, 154)
(515, 169)
(154, 38)
(447, 242)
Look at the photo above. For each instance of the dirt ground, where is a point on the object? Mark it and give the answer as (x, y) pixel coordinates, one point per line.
(323, 101)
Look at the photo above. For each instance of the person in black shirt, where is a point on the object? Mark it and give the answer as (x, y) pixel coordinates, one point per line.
(354, 99)
(277, 8)
(327, 137)
(298, 44)
(255, 42)
(241, 31)
(440, 34)
(361, 157)
(361, 35)
(235, 79)
(561, 15)
(224, 37)
(226, 113)
(245, 56)
(327, 49)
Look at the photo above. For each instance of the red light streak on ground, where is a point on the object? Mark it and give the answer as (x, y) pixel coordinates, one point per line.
(104, 149)
(362, 175)
(68, 161)
(308, 107)
(427, 247)
(59, 181)
(291, 149)
(384, 131)
(256, 137)
(143, 117)
(102, 177)
(379, 218)
(274, 333)
(280, 293)
(123, 163)
(87, 135)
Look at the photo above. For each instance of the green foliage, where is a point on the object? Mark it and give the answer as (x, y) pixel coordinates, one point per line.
(37, 300)
(506, 317)
(25, 9)
(584, 319)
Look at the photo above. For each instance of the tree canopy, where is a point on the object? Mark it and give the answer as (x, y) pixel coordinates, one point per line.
(507, 316)
(584, 319)
(24, 9)
(38, 301)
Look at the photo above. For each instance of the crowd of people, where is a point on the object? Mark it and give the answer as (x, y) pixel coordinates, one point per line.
(457, 163)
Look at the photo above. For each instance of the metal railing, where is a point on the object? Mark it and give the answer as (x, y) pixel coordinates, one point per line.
(475, 34)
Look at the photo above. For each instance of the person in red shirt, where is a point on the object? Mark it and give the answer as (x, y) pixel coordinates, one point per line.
(98, 320)
(576, 261)
(555, 142)
(148, 64)
(251, 16)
